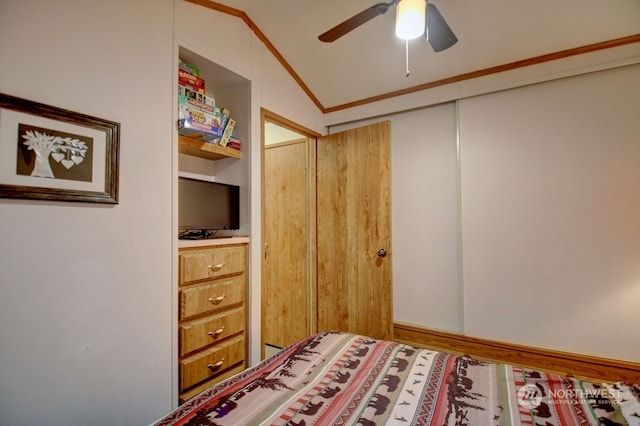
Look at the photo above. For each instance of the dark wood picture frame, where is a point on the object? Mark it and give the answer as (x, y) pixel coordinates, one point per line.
(76, 154)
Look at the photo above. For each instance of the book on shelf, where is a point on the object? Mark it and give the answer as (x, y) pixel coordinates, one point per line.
(189, 68)
(234, 143)
(196, 97)
(194, 102)
(199, 131)
(198, 112)
(190, 80)
(224, 117)
(228, 130)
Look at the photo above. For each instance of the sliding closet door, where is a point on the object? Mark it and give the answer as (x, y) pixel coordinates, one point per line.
(551, 214)
(354, 231)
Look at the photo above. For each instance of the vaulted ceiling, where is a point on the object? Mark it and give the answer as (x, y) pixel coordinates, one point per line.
(369, 62)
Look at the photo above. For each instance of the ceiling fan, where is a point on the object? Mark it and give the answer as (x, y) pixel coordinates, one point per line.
(438, 33)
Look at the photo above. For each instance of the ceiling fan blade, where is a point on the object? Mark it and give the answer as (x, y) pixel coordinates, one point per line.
(438, 34)
(355, 21)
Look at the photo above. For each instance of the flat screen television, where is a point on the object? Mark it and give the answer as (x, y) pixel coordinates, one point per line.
(205, 207)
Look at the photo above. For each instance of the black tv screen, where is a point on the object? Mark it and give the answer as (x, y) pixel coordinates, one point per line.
(207, 206)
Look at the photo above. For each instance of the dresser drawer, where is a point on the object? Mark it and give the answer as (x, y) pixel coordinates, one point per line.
(205, 298)
(211, 362)
(194, 391)
(199, 333)
(210, 263)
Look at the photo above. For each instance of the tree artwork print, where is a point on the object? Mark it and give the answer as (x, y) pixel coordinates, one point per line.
(53, 154)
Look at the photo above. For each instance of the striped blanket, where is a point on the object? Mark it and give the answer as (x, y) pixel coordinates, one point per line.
(344, 379)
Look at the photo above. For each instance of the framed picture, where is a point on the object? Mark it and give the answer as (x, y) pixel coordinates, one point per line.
(49, 153)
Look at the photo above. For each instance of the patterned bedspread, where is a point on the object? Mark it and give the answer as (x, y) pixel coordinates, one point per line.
(344, 379)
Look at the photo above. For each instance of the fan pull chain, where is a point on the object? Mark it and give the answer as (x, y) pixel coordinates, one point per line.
(406, 56)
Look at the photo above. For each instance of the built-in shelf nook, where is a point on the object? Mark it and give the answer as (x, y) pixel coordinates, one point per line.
(212, 292)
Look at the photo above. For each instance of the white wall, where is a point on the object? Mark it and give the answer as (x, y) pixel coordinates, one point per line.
(86, 289)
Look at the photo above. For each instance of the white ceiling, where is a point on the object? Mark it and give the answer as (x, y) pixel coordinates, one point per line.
(370, 61)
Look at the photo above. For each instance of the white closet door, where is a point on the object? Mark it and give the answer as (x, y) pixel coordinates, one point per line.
(551, 214)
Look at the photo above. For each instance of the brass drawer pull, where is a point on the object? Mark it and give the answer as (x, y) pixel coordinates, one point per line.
(215, 367)
(216, 300)
(217, 333)
(216, 267)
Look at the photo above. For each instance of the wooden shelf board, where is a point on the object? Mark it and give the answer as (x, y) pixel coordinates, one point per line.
(206, 150)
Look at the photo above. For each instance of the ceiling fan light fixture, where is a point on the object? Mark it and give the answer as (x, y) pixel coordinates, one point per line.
(410, 19)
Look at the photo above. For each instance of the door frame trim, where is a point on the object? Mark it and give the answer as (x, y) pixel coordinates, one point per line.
(267, 116)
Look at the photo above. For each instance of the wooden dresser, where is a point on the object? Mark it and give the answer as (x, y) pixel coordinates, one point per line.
(212, 316)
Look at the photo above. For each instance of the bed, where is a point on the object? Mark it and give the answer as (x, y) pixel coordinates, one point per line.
(336, 378)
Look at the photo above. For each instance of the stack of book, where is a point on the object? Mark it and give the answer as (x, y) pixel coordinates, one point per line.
(234, 143)
(198, 116)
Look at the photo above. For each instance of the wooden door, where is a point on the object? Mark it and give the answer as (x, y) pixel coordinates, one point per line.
(286, 280)
(354, 290)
